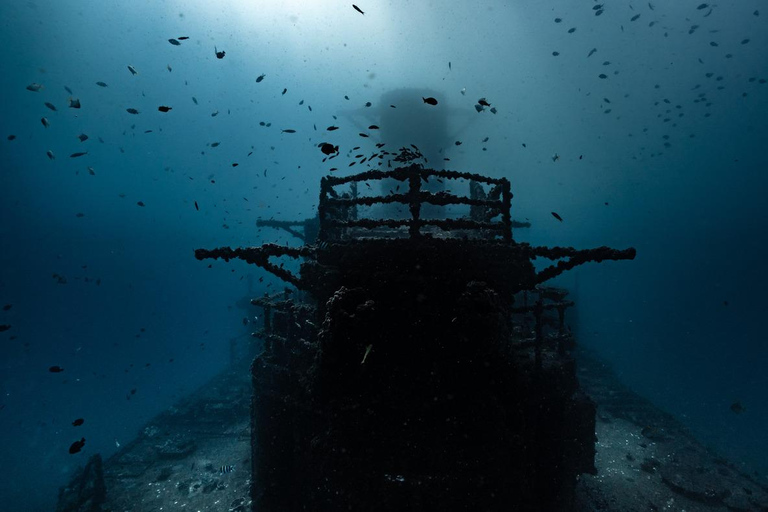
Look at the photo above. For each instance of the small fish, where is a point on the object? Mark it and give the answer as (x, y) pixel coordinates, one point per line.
(132, 70)
(74, 103)
(45, 122)
(4, 327)
(77, 446)
(463, 91)
(68, 90)
(223, 470)
(328, 149)
(482, 102)
(555, 157)
(449, 65)
(50, 106)
(603, 76)
(78, 422)
(219, 55)
(289, 130)
(737, 408)
(368, 103)
(558, 20)
(11, 137)
(284, 91)
(367, 351)
(174, 42)
(91, 171)
(429, 101)
(168, 67)
(458, 143)
(139, 203)
(373, 127)
(701, 7)
(555, 54)
(357, 9)
(34, 87)
(164, 108)
(101, 84)
(132, 111)
(194, 100)
(55, 369)
(197, 207)
(555, 215)
(50, 155)
(635, 17)
(78, 154)
(572, 30)
(183, 38)
(591, 52)
(363, 134)
(7, 307)
(332, 128)
(215, 144)
(485, 139)
(260, 78)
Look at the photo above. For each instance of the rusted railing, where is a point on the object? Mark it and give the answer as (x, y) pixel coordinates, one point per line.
(333, 208)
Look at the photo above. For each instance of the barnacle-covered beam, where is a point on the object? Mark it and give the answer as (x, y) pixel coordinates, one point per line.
(259, 256)
(575, 257)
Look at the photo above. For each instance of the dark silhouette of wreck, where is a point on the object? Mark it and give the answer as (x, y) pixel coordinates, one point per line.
(421, 367)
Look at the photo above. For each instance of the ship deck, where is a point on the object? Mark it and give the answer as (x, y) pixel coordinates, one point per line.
(646, 460)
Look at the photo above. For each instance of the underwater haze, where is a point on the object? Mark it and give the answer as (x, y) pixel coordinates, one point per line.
(639, 123)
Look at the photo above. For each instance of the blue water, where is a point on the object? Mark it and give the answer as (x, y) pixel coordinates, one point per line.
(677, 156)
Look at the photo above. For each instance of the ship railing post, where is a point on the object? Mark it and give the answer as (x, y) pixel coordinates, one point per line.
(506, 214)
(414, 189)
(561, 330)
(538, 313)
(322, 209)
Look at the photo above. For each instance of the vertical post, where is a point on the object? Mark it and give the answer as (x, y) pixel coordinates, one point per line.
(267, 319)
(414, 190)
(561, 330)
(538, 313)
(506, 206)
(322, 209)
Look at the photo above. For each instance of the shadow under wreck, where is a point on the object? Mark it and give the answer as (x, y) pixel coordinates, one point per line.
(408, 377)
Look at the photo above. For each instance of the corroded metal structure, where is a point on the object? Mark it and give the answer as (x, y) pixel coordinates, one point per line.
(410, 378)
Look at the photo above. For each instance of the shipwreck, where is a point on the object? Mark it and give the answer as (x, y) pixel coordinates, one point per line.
(423, 364)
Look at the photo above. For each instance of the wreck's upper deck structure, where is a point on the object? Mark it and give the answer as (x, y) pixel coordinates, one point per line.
(484, 235)
(398, 384)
